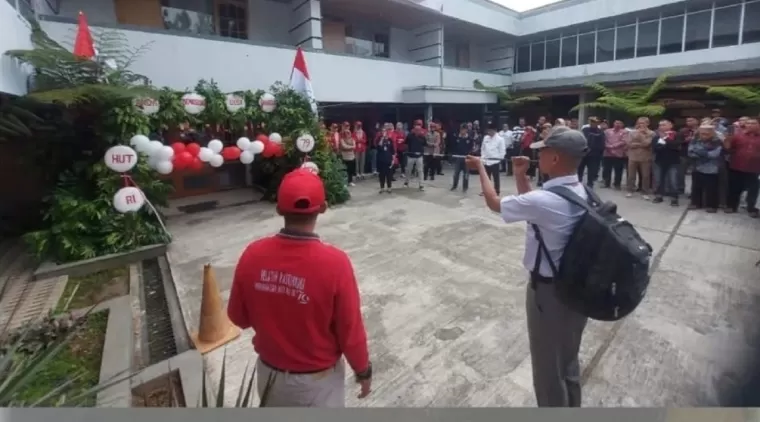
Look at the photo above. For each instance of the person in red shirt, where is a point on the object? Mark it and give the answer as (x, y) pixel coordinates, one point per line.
(400, 135)
(300, 297)
(360, 138)
(334, 138)
(744, 168)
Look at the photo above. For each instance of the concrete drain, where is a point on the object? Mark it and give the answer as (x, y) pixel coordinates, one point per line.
(161, 343)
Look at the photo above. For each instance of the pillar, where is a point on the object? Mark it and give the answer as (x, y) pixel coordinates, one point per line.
(583, 112)
(428, 113)
(306, 24)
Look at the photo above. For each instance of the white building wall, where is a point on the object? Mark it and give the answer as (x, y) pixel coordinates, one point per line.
(426, 45)
(15, 36)
(306, 24)
(498, 58)
(399, 40)
(336, 78)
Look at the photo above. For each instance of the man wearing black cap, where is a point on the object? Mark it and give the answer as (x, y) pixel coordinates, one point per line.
(300, 297)
(554, 330)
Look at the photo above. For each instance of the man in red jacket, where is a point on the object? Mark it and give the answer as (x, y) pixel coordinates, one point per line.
(300, 297)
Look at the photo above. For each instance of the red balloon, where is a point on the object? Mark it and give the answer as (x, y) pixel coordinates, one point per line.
(194, 149)
(178, 163)
(178, 148)
(262, 138)
(278, 150)
(231, 153)
(196, 164)
(183, 159)
(269, 149)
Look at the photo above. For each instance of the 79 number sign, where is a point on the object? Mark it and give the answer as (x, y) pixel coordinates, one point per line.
(305, 143)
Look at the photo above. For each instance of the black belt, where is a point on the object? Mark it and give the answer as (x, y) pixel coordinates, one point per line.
(536, 278)
(307, 372)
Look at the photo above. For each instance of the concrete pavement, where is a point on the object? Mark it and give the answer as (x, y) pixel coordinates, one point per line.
(443, 298)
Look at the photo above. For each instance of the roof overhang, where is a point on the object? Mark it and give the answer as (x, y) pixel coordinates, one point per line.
(446, 95)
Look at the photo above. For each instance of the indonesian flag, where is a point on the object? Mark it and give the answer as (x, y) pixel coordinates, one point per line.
(300, 80)
(84, 47)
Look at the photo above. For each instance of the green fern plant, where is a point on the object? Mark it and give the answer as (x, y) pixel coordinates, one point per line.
(746, 95)
(245, 390)
(506, 98)
(638, 101)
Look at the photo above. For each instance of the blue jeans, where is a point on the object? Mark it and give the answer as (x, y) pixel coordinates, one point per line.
(460, 168)
(666, 180)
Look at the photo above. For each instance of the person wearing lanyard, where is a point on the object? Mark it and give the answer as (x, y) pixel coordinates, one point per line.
(554, 331)
(492, 151)
(300, 297)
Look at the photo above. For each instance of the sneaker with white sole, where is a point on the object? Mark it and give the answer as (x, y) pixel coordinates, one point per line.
(629, 195)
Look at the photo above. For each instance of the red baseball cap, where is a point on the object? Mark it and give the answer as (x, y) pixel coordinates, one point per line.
(301, 192)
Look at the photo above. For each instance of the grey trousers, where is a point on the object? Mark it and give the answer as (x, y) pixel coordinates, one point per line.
(413, 162)
(554, 332)
(323, 389)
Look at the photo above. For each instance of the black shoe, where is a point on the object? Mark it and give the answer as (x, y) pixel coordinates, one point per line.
(674, 202)
(606, 186)
(657, 200)
(453, 188)
(432, 178)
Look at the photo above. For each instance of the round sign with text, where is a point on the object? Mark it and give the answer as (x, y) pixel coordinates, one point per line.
(305, 143)
(147, 105)
(121, 158)
(193, 103)
(267, 102)
(234, 103)
(128, 199)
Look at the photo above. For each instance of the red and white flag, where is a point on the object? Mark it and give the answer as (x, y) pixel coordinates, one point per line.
(300, 80)
(84, 46)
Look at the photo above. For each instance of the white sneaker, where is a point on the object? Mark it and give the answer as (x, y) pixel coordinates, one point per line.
(629, 195)
(645, 197)
(352, 184)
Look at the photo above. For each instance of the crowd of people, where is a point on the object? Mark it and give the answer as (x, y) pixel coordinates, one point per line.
(650, 160)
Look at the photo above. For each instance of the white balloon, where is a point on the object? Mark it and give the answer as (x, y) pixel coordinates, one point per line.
(305, 143)
(215, 146)
(216, 161)
(153, 162)
(165, 153)
(244, 143)
(275, 137)
(128, 199)
(120, 158)
(268, 102)
(194, 103)
(164, 167)
(205, 154)
(246, 157)
(140, 142)
(257, 147)
(311, 166)
(153, 148)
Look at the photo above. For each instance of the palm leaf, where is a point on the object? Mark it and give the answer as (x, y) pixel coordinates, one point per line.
(747, 95)
(654, 89)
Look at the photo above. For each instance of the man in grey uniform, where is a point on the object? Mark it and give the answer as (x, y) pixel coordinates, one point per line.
(554, 331)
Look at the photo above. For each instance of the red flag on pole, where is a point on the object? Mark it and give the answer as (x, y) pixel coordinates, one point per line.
(300, 80)
(84, 47)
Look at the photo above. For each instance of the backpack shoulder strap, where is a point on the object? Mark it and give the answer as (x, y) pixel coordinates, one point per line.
(565, 193)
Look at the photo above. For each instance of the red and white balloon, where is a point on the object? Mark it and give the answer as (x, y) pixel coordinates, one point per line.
(193, 103)
(128, 199)
(311, 166)
(147, 105)
(234, 103)
(267, 102)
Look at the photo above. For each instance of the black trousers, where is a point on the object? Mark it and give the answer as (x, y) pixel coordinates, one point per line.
(493, 174)
(438, 165)
(590, 164)
(507, 164)
(350, 169)
(385, 175)
(530, 153)
(430, 165)
(704, 190)
(613, 167)
(738, 182)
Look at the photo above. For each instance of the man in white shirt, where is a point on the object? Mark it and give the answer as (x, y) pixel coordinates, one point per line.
(554, 330)
(492, 152)
(508, 138)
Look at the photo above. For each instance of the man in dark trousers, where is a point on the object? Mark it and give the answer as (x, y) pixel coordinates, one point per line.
(554, 330)
(415, 144)
(300, 297)
(593, 160)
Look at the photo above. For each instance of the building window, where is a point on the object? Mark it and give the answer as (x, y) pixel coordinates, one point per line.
(646, 41)
(381, 46)
(569, 51)
(726, 26)
(697, 31)
(751, 32)
(537, 56)
(364, 43)
(232, 18)
(586, 48)
(671, 35)
(605, 46)
(523, 59)
(625, 42)
(552, 54)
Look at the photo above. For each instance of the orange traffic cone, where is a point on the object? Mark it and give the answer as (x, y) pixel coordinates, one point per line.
(215, 328)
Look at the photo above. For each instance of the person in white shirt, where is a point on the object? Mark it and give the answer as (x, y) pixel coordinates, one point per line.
(508, 138)
(554, 330)
(492, 151)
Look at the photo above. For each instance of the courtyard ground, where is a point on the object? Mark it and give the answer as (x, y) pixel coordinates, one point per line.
(443, 296)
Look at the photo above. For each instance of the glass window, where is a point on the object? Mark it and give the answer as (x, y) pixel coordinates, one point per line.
(381, 48)
(537, 56)
(698, 5)
(697, 31)
(523, 58)
(726, 26)
(646, 42)
(552, 54)
(586, 48)
(751, 31)
(719, 3)
(670, 10)
(625, 42)
(569, 51)
(671, 35)
(605, 46)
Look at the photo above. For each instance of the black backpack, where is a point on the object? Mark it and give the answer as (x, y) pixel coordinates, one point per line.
(604, 269)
